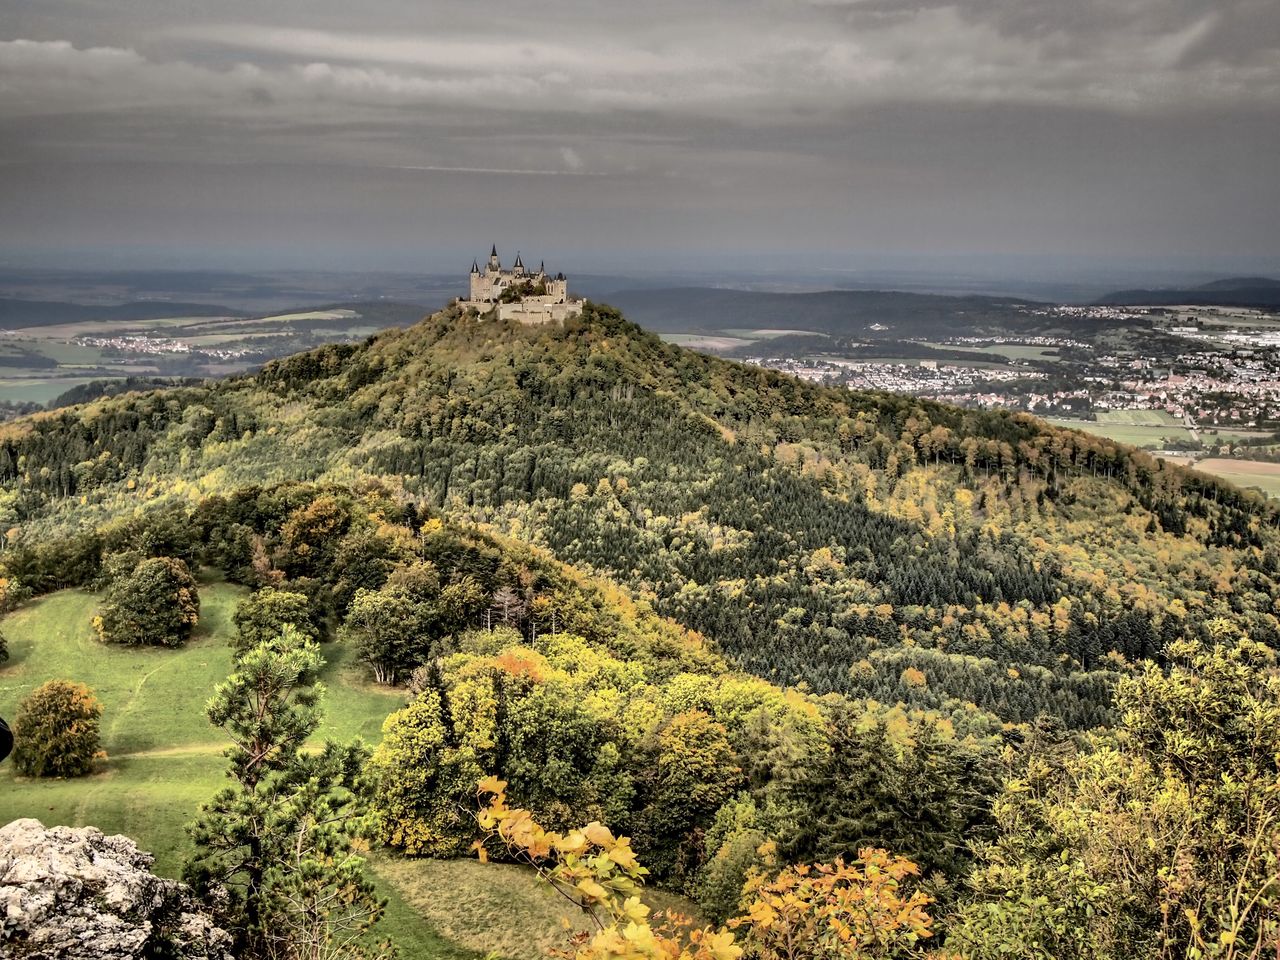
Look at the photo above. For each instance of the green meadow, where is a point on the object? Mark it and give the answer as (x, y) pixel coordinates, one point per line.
(164, 759)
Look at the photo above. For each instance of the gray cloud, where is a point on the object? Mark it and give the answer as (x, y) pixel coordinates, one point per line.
(831, 123)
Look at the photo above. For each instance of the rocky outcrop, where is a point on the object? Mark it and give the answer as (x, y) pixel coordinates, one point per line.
(76, 894)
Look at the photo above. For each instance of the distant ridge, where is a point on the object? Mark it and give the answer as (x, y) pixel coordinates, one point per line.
(836, 312)
(1228, 292)
(44, 313)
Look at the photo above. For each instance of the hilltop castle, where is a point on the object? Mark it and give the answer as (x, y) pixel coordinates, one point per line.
(520, 294)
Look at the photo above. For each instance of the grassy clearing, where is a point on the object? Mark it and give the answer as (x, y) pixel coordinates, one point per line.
(164, 760)
(472, 904)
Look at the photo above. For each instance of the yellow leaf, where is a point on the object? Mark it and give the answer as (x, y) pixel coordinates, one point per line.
(493, 785)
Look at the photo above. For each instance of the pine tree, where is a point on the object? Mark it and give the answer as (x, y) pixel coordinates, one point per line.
(278, 841)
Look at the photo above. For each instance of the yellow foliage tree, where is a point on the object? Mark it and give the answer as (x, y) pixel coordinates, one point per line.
(837, 910)
(599, 874)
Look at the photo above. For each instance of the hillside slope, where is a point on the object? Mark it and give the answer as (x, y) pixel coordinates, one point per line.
(869, 544)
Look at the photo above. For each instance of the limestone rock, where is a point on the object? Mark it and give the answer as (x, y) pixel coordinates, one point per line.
(73, 893)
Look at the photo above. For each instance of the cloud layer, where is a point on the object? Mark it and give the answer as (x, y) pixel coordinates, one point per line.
(729, 104)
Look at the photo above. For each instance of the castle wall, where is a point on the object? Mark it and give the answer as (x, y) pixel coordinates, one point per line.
(487, 287)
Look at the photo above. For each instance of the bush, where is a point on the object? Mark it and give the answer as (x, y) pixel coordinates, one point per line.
(157, 604)
(56, 731)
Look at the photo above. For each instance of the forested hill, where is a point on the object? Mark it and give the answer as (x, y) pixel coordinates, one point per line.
(865, 543)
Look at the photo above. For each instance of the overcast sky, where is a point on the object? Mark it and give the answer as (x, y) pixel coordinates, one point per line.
(394, 134)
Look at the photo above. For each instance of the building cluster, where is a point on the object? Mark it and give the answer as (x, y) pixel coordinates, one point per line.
(924, 378)
(160, 346)
(527, 296)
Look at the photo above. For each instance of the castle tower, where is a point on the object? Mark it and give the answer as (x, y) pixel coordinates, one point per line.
(533, 298)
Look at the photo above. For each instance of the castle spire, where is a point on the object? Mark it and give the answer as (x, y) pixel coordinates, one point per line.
(475, 266)
(494, 251)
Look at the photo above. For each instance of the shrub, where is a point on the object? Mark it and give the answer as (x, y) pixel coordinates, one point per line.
(56, 731)
(157, 604)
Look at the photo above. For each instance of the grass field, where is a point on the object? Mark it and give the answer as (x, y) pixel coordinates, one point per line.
(771, 334)
(1139, 418)
(1245, 473)
(697, 341)
(39, 389)
(470, 904)
(1149, 436)
(164, 759)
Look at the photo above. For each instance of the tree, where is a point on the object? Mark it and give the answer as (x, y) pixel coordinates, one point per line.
(1160, 840)
(157, 604)
(279, 840)
(56, 730)
(694, 770)
(838, 911)
(391, 630)
(598, 874)
(262, 617)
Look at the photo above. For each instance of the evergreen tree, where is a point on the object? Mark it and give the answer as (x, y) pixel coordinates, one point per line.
(279, 839)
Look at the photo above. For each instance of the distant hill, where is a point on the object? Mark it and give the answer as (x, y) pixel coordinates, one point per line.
(43, 313)
(836, 312)
(1229, 292)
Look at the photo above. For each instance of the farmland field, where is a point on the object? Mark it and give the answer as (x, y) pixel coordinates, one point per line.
(1245, 473)
(1139, 418)
(698, 341)
(1148, 436)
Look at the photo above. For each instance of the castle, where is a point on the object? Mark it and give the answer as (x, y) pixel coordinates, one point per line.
(520, 294)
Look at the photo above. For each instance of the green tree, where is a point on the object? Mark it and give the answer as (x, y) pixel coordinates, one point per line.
(280, 839)
(157, 604)
(56, 730)
(1160, 840)
(263, 615)
(391, 630)
(692, 771)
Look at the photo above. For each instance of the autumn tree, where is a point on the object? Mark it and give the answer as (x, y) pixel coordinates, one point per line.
(1162, 840)
(693, 769)
(855, 911)
(158, 604)
(596, 873)
(56, 730)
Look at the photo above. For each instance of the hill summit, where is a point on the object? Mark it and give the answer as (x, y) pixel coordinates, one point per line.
(982, 564)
